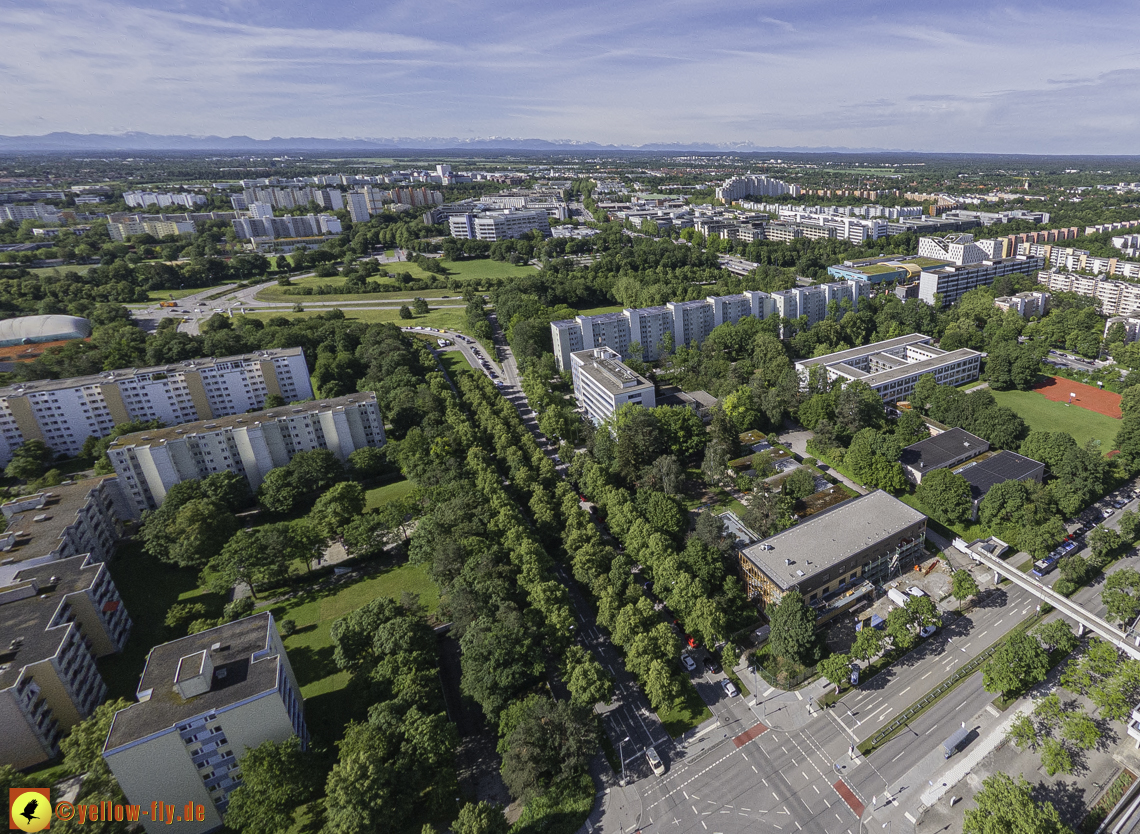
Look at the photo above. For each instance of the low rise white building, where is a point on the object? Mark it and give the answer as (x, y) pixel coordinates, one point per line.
(498, 225)
(150, 463)
(892, 367)
(1027, 304)
(602, 384)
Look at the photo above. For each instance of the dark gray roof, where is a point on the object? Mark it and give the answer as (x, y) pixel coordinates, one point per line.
(165, 708)
(1002, 467)
(942, 449)
(825, 539)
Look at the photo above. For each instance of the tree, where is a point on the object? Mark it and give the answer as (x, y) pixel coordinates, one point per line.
(278, 492)
(799, 484)
(710, 530)
(420, 306)
(586, 679)
(276, 778)
(1081, 730)
(500, 660)
(542, 742)
(28, 460)
(1056, 635)
(338, 507)
(945, 496)
(899, 622)
(836, 668)
(1007, 807)
(792, 629)
(480, 818)
(868, 644)
(963, 586)
(82, 750)
(1121, 595)
(405, 311)
(1017, 664)
(664, 475)
(1055, 757)
(243, 560)
(1103, 541)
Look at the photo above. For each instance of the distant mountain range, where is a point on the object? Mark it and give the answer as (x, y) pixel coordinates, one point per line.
(135, 141)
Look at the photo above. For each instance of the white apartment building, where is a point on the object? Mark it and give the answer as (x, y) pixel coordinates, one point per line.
(142, 199)
(1079, 260)
(203, 701)
(1026, 304)
(72, 519)
(1117, 298)
(39, 211)
(150, 463)
(272, 228)
(57, 616)
(813, 301)
(157, 228)
(289, 198)
(687, 322)
(63, 413)
(602, 384)
(753, 185)
(498, 225)
(951, 282)
(1129, 245)
(892, 367)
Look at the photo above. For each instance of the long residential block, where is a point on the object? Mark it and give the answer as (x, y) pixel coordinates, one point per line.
(63, 413)
(690, 322)
(1117, 298)
(952, 281)
(893, 367)
(150, 463)
(203, 701)
(56, 617)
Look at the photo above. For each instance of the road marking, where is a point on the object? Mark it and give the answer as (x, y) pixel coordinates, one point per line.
(816, 789)
(803, 775)
(805, 802)
(765, 781)
(999, 622)
(754, 770)
(799, 695)
(909, 817)
(775, 797)
(848, 796)
(694, 807)
(900, 755)
(771, 689)
(905, 691)
(927, 675)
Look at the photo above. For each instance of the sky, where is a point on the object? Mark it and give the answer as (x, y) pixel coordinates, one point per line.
(1028, 76)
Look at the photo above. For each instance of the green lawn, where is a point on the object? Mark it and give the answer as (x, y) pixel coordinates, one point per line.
(454, 362)
(1047, 415)
(482, 271)
(383, 494)
(452, 318)
(687, 713)
(149, 588)
(968, 530)
(47, 270)
(593, 311)
(329, 700)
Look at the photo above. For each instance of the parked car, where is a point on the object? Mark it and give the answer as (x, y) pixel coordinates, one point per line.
(711, 664)
(729, 688)
(655, 761)
(688, 662)
(926, 631)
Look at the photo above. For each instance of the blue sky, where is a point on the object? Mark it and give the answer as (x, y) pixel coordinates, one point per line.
(1028, 77)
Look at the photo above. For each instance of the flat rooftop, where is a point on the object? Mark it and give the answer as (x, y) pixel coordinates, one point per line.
(942, 449)
(611, 374)
(152, 437)
(39, 530)
(997, 469)
(829, 537)
(27, 618)
(127, 373)
(165, 708)
(842, 356)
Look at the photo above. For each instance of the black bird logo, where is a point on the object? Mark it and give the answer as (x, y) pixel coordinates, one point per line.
(29, 812)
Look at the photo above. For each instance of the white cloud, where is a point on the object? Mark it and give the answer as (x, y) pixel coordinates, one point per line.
(1011, 79)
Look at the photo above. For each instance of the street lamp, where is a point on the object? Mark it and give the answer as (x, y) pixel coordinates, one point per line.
(622, 757)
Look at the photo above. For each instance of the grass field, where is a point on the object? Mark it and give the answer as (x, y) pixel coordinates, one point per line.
(593, 311)
(482, 271)
(383, 494)
(454, 362)
(47, 270)
(451, 318)
(1045, 415)
(687, 713)
(149, 588)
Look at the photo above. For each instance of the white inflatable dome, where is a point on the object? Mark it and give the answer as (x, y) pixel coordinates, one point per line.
(31, 329)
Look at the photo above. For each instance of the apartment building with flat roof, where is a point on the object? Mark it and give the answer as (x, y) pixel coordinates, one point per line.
(203, 701)
(499, 224)
(1027, 304)
(1117, 298)
(63, 413)
(149, 463)
(56, 616)
(602, 384)
(893, 367)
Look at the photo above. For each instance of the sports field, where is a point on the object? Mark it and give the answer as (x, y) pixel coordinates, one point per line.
(1046, 415)
(1090, 397)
